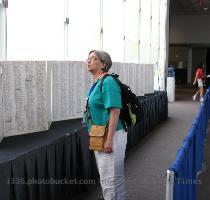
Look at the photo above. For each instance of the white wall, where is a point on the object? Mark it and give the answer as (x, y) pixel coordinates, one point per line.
(23, 89)
(34, 93)
(190, 29)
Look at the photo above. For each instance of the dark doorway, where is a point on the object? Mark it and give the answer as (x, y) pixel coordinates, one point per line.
(208, 61)
(198, 56)
(208, 67)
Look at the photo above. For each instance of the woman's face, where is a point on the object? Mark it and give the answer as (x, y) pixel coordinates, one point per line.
(94, 64)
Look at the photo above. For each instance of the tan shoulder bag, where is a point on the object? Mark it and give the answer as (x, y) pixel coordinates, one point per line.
(98, 136)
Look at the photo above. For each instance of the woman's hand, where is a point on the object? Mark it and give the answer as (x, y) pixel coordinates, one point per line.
(108, 146)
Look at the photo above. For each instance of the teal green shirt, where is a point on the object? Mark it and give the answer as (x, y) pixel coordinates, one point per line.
(100, 102)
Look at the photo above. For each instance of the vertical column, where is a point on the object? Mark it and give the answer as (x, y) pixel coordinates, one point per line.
(66, 31)
(167, 36)
(150, 36)
(161, 64)
(101, 24)
(157, 60)
(164, 42)
(139, 31)
(3, 30)
(189, 66)
(124, 46)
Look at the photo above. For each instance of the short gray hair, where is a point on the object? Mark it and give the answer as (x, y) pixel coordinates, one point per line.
(104, 58)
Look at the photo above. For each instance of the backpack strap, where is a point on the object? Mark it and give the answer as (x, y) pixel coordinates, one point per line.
(115, 76)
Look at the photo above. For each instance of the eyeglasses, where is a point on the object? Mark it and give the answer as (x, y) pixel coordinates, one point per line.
(93, 58)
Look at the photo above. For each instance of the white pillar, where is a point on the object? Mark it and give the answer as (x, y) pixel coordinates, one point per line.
(124, 6)
(101, 25)
(167, 37)
(3, 31)
(66, 30)
(164, 43)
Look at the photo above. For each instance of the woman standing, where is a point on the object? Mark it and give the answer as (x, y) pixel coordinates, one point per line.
(104, 107)
(198, 78)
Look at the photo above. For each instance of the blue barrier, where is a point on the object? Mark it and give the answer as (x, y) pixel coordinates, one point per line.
(189, 157)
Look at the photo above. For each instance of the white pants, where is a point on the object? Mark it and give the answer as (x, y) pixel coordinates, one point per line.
(111, 168)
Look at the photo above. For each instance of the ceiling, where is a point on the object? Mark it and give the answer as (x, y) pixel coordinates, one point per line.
(189, 7)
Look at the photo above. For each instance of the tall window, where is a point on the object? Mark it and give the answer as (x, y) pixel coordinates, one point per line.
(145, 31)
(35, 29)
(84, 28)
(133, 31)
(155, 31)
(113, 28)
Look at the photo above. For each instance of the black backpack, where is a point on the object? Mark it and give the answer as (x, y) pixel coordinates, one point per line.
(131, 112)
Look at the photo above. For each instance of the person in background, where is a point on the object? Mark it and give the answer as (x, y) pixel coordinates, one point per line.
(104, 106)
(199, 79)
